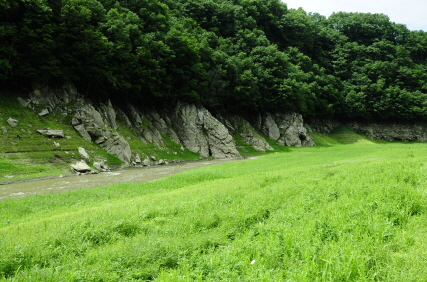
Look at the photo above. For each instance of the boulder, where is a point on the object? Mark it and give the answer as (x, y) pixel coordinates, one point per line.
(83, 153)
(189, 129)
(97, 165)
(109, 114)
(4, 129)
(44, 112)
(146, 162)
(12, 122)
(81, 167)
(270, 128)
(23, 102)
(118, 147)
(221, 144)
(53, 133)
(137, 159)
(83, 133)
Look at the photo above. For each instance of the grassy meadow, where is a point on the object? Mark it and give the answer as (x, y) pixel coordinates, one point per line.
(349, 210)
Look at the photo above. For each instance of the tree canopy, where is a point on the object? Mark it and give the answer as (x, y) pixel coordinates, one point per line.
(234, 55)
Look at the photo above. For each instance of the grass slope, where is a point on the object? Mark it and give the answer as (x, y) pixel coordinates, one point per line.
(352, 212)
(25, 154)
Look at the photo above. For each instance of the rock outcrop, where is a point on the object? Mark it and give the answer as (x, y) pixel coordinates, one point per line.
(407, 132)
(202, 133)
(91, 125)
(287, 129)
(12, 122)
(80, 167)
(53, 133)
(239, 126)
(177, 128)
(324, 126)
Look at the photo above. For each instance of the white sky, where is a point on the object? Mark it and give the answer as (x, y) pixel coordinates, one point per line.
(412, 13)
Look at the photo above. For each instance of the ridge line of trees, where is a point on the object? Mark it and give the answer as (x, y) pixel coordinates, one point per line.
(234, 55)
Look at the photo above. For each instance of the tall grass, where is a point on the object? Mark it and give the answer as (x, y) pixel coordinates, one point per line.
(333, 213)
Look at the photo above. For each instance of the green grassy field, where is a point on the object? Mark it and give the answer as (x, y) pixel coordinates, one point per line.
(354, 212)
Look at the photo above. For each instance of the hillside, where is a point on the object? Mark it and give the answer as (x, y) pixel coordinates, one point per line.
(52, 130)
(241, 56)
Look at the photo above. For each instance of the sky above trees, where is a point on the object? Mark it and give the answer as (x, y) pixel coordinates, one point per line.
(412, 13)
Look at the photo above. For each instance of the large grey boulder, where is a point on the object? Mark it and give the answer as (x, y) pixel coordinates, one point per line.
(293, 131)
(83, 153)
(119, 147)
(88, 115)
(44, 112)
(81, 167)
(189, 129)
(82, 132)
(109, 114)
(23, 102)
(53, 133)
(270, 127)
(137, 159)
(221, 144)
(12, 122)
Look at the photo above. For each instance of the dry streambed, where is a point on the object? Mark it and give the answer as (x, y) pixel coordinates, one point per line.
(57, 185)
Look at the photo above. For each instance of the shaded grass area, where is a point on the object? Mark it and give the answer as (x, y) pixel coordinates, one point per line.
(333, 213)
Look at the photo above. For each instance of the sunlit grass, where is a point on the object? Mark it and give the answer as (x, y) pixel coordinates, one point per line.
(329, 213)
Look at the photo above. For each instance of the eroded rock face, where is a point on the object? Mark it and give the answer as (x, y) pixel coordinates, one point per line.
(189, 129)
(238, 125)
(288, 129)
(188, 126)
(221, 144)
(391, 131)
(89, 123)
(324, 126)
(202, 133)
(117, 146)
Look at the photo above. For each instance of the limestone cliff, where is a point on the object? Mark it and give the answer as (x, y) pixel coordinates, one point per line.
(188, 126)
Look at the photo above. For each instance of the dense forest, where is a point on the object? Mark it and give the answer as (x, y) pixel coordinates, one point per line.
(230, 55)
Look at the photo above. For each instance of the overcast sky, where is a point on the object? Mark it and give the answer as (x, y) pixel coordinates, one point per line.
(412, 13)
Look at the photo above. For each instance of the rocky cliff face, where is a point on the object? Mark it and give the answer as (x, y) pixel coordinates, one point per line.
(189, 126)
(407, 132)
(287, 128)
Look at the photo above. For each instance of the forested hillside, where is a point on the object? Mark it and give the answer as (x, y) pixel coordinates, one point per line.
(232, 55)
